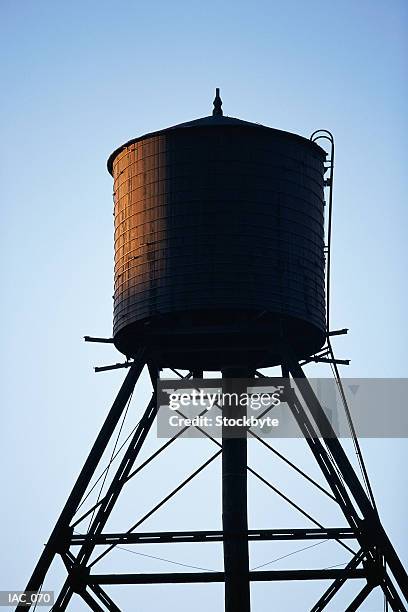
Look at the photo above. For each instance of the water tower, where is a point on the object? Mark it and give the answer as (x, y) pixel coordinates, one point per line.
(222, 264)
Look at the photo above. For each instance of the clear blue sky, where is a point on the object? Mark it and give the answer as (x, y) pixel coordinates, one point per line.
(80, 78)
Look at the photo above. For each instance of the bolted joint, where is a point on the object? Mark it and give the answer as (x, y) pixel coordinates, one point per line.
(375, 567)
(375, 572)
(288, 394)
(63, 542)
(78, 578)
(367, 528)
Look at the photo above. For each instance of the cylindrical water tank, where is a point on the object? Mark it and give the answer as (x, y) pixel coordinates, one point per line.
(219, 245)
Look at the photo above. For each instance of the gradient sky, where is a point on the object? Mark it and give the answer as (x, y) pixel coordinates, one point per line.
(80, 78)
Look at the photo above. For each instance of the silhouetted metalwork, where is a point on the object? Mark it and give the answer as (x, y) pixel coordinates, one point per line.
(220, 265)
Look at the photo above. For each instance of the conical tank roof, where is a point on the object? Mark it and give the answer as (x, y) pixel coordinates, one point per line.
(217, 119)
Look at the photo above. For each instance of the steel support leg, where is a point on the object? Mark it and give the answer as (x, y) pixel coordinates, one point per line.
(374, 532)
(234, 506)
(104, 598)
(109, 500)
(392, 595)
(361, 597)
(84, 478)
(88, 599)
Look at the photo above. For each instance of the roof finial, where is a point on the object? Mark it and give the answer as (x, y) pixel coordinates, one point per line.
(217, 103)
